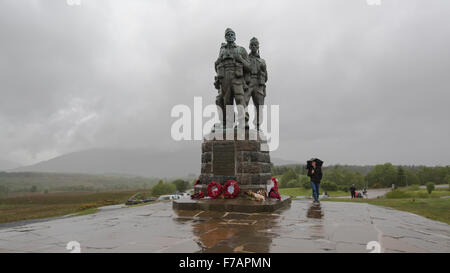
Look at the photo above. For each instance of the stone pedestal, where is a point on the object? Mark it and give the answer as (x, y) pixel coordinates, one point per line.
(230, 154)
(227, 154)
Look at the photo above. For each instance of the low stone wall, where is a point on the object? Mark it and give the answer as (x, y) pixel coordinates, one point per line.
(235, 205)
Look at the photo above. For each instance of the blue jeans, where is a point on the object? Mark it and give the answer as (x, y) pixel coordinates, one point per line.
(315, 190)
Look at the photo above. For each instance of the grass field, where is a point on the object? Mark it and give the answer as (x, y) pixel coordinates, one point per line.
(307, 192)
(432, 208)
(39, 205)
(421, 194)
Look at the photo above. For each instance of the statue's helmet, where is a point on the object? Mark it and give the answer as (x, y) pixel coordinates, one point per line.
(254, 45)
(229, 30)
(254, 41)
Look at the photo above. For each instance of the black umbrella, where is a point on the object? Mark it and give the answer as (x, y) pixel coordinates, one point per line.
(318, 162)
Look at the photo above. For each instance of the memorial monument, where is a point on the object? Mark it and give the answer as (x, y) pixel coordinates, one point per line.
(233, 151)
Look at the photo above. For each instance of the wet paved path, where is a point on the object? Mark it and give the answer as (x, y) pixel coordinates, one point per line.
(335, 227)
(371, 193)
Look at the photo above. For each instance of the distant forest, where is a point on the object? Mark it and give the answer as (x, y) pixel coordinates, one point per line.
(335, 177)
(378, 176)
(43, 182)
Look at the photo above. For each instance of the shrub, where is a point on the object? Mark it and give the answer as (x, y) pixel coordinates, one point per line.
(430, 187)
(413, 188)
(421, 194)
(343, 188)
(163, 188)
(181, 185)
(395, 194)
(287, 177)
(306, 184)
(329, 186)
(293, 184)
(377, 186)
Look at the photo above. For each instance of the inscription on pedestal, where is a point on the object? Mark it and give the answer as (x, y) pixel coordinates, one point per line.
(224, 159)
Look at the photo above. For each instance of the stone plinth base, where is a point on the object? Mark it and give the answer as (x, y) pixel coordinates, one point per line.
(244, 158)
(235, 205)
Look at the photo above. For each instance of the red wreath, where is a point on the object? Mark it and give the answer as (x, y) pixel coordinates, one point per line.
(231, 189)
(214, 189)
(274, 191)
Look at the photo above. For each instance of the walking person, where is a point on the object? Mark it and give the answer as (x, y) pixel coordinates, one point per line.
(315, 173)
(352, 191)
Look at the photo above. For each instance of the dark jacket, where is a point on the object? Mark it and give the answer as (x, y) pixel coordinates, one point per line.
(317, 175)
(352, 189)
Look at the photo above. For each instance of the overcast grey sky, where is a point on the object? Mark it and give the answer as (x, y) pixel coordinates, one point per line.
(356, 84)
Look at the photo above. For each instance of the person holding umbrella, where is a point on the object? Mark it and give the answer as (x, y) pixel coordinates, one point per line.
(314, 167)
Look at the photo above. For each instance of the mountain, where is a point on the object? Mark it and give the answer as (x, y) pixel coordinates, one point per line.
(7, 165)
(139, 162)
(279, 162)
(183, 162)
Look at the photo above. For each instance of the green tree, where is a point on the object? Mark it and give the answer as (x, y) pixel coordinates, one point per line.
(436, 175)
(430, 187)
(344, 177)
(412, 178)
(303, 179)
(329, 186)
(401, 177)
(163, 188)
(294, 184)
(181, 185)
(306, 184)
(286, 177)
(385, 174)
(447, 179)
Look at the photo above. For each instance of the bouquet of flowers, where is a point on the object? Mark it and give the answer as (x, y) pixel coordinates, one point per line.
(274, 190)
(198, 195)
(255, 196)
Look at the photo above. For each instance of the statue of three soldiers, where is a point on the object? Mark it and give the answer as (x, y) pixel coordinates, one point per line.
(240, 76)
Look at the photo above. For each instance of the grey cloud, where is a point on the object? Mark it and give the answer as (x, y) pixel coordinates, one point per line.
(355, 83)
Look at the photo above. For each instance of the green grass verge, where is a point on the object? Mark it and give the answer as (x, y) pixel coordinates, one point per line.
(421, 194)
(432, 208)
(139, 205)
(86, 212)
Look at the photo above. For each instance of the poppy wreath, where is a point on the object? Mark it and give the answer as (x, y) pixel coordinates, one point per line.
(231, 189)
(214, 189)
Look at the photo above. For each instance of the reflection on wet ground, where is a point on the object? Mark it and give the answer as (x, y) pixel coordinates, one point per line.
(330, 227)
(314, 211)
